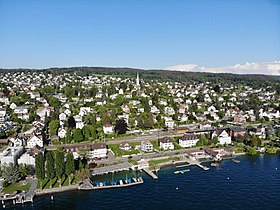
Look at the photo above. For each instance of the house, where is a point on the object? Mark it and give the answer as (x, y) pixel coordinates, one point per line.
(146, 146)
(13, 106)
(62, 133)
(166, 143)
(188, 140)
(26, 159)
(223, 136)
(215, 155)
(33, 141)
(259, 131)
(169, 122)
(125, 146)
(240, 119)
(2, 114)
(98, 150)
(236, 132)
(22, 112)
(169, 110)
(16, 142)
(62, 117)
(42, 112)
(10, 155)
(108, 129)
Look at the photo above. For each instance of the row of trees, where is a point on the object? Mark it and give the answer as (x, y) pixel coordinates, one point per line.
(53, 165)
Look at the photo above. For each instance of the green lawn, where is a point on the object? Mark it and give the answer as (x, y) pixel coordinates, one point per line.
(16, 186)
(155, 162)
(118, 152)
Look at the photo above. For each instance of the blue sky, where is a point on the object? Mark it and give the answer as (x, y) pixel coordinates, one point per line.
(144, 33)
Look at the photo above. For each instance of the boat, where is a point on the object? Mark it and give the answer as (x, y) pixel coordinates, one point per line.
(236, 161)
(215, 164)
(181, 171)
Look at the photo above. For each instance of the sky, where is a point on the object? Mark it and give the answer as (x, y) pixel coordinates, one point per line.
(207, 35)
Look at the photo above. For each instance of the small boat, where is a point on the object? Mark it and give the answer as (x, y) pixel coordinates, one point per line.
(181, 171)
(215, 164)
(236, 161)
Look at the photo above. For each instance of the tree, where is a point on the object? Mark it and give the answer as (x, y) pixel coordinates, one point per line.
(10, 173)
(40, 167)
(54, 124)
(71, 122)
(77, 135)
(69, 165)
(50, 166)
(59, 165)
(217, 89)
(22, 170)
(215, 140)
(54, 102)
(121, 126)
(278, 133)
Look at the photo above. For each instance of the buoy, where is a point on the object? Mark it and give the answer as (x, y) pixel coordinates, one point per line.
(52, 198)
(228, 178)
(177, 188)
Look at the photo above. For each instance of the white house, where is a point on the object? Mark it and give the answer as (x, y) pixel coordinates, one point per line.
(10, 155)
(33, 141)
(16, 142)
(62, 117)
(146, 146)
(108, 129)
(98, 150)
(26, 159)
(125, 146)
(166, 143)
(2, 114)
(188, 140)
(169, 122)
(62, 133)
(223, 136)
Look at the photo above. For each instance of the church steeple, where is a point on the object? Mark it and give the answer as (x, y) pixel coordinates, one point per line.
(137, 82)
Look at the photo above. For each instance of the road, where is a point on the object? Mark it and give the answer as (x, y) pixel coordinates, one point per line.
(146, 156)
(131, 139)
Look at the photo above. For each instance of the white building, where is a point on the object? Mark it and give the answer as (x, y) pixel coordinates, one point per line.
(169, 122)
(26, 159)
(33, 141)
(62, 133)
(223, 136)
(98, 150)
(146, 146)
(166, 143)
(10, 155)
(188, 140)
(108, 129)
(125, 146)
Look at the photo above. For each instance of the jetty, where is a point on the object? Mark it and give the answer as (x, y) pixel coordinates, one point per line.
(196, 163)
(149, 172)
(120, 183)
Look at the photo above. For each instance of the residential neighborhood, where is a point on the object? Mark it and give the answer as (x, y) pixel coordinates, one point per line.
(107, 119)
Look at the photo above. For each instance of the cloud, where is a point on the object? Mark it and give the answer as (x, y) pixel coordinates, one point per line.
(268, 68)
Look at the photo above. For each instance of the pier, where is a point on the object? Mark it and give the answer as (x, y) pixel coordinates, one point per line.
(196, 163)
(149, 172)
(122, 183)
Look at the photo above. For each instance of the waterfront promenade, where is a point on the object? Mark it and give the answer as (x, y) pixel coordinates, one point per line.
(110, 169)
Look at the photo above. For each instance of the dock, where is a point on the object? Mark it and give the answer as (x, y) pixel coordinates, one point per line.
(196, 163)
(122, 183)
(149, 172)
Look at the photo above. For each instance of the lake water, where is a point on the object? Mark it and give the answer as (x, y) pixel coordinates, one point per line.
(251, 184)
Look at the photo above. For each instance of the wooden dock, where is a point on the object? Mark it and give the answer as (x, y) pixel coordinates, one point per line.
(138, 181)
(149, 172)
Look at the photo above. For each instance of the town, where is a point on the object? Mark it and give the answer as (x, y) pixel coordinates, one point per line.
(63, 128)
